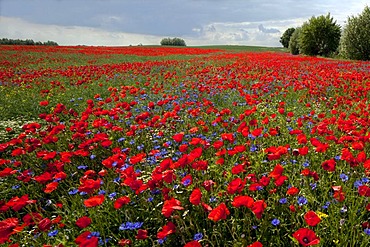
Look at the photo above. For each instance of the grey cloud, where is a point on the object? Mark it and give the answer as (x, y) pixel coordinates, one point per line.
(267, 30)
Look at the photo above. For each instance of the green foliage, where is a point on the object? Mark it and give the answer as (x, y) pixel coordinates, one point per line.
(285, 38)
(173, 42)
(293, 42)
(5, 41)
(355, 43)
(319, 36)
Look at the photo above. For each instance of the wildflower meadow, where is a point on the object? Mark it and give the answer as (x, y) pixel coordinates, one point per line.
(166, 146)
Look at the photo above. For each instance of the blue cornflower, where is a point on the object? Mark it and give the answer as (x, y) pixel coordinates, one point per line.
(275, 222)
(198, 236)
(302, 200)
(306, 164)
(253, 148)
(326, 205)
(14, 187)
(344, 177)
(130, 225)
(73, 192)
(357, 183)
(112, 195)
(93, 234)
(367, 231)
(313, 186)
(213, 199)
(93, 156)
(53, 233)
(283, 201)
(82, 167)
(161, 241)
(186, 182)
(101, 192)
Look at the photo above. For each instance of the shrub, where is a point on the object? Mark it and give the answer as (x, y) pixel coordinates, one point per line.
(355, 43)
(293, 42)
(319, 36)
(173, 42)
(285, 38)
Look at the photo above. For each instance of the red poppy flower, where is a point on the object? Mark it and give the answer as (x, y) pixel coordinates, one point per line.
(171, 205)
(6, 228)
(142, 234)
(178, 137)
(246, 201)
(277, 172)
(83, 222)
(292, 191)
(258, 208)
(236, 185)
(255, 244)
(50, 187)
(168, 229)
(195, 196)
(364, 190)
(311, 218)
(338, 193)
(44, 224)
(329, 165)
(44, 103)
(219, 213)
(306, 237)
(94, 201)
(121, 201)
(124, 242)
(193, 244)
(83, 240)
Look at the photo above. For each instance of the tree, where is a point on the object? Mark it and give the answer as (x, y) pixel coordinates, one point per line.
(319, 36)
(355, 43)
(294, 41)
(285, 38)
(173, 42)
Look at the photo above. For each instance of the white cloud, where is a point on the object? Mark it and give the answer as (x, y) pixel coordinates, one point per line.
(16, 28)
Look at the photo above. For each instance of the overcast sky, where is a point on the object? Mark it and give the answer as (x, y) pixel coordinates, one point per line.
(131, 22)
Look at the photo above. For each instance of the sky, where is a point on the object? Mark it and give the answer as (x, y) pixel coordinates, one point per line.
(134, 22)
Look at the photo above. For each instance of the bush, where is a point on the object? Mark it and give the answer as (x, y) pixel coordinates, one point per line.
(355, 43)
(319, 36)
(285, 38)
(293, 42)
(173, 42)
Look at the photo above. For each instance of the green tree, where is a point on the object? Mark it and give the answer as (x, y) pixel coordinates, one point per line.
(355, 42)
(285, 38)
(294, 41)
(173, 42)
(319, 36)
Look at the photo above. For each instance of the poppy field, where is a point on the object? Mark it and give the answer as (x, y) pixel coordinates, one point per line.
(161, 146)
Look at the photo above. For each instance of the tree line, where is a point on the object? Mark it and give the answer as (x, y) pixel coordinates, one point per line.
(322, 36)
(5, 41)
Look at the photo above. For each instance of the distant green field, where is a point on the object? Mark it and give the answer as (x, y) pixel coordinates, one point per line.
(239, 48)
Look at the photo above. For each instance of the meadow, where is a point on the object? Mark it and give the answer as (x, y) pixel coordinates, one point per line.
(166, 146)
